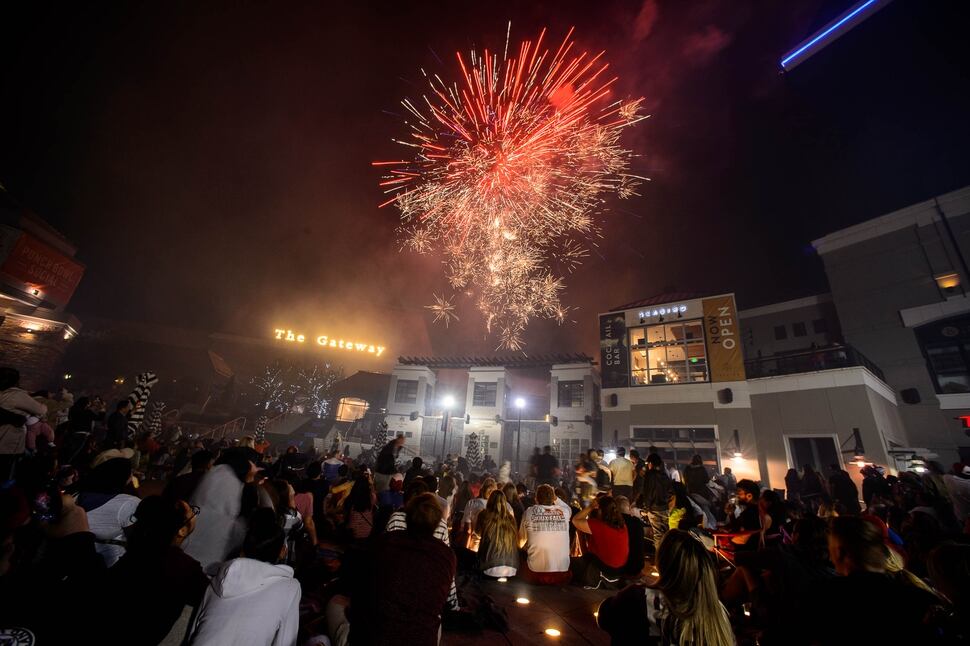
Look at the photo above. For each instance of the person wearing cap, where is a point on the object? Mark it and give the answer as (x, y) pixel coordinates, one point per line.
(109, 509)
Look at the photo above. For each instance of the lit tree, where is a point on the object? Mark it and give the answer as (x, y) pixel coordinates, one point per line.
(313, 388)
(381, 439)
(261, 422)
(473, 452)
(274, 388)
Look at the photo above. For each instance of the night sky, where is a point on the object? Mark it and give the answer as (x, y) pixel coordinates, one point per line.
(212, 160)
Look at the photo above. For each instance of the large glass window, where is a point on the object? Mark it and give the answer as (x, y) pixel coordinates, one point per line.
(484, 394)
(570, 394)
(946, 346)
(669, 353)
(351, 409)
(677, 446)
(820, 452)
(407, 391)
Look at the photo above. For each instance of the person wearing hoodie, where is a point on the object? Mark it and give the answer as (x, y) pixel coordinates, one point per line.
(13, 437)
(252, 601)
(221, 526)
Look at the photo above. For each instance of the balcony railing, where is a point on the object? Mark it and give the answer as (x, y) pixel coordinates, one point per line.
(828, 358)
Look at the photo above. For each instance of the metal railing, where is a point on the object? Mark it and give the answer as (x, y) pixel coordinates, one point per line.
(827, 358)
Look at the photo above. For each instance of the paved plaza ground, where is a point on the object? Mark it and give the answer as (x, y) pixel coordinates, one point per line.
(568, 609)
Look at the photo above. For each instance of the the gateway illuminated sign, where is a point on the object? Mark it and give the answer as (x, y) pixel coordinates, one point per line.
(329, 342)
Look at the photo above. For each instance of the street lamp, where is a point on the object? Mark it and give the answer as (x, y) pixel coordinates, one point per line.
(448, 402)
(519, 404)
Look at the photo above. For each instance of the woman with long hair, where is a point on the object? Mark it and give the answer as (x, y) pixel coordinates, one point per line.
(512, 495)
(359, 508)
(681, 609)
(498, 551)
(284, 501)
(607, 545)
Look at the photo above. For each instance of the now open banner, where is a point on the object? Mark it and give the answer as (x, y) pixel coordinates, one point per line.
(723, 339)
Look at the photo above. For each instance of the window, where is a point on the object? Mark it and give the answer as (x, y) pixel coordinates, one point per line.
(351, 409)
(570, 394)
(820, 452)
(677, 446)
(484, 394)
(820, 326)
(407, 391)
(780, 333)
(428, 399)
(568, 450)
(668, 353)
(798, 329)
(946, 346)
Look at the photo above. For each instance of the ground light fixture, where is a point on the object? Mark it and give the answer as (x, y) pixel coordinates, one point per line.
(522, 601)
(502, 579)
(552, 632)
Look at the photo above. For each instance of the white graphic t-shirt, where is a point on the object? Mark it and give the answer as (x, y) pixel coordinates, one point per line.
(546, 529)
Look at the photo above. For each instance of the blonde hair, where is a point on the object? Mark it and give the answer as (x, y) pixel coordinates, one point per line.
(689, 588)
(247, 441)
(498, 524)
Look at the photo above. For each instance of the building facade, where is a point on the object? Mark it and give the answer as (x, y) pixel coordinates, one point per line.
(675, 382)
(899, 283)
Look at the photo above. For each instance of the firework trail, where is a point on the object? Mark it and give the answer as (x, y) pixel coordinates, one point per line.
(507, 168)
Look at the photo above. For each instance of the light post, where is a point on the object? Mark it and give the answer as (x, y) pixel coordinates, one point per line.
(519, 404)
(448, 402)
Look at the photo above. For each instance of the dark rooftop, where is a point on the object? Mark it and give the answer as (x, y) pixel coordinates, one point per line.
(508, 361)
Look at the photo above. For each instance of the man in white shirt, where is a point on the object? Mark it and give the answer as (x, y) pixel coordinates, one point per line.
(544, 533)
(622, 470)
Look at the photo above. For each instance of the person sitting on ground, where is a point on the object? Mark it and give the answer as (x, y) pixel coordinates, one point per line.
(331, 466)
(340, 488)
(446, 491)
(745, 519)
(477, 505)
(512, 495)
(682, 609)
(399, 596)
(165, 578)
(498, 553)
(684, 512)
(634, 529)
(108, 505)
(544, 533)
(393, 496)
(608, 544)
(252, 601)
(432, 482)
(183, 486)
(862, 589)
(290, 519)
(359, 509)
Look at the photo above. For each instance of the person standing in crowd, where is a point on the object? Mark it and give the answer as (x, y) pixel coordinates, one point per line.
(547, 468)
(109, 508)
(621, 471)
(488, 464)
(405, 583)
(958, 484)
(13, 429)
(166, 579)
(387, 462)
(182, 487)
(683, 607)
(331, 465)
(813, 488)
(544, 534)
(118, 425)
(843, 490)
(657, 490)
(252, 600)
(221, 527)
(416, 470)
(793, 486)
(728, 480)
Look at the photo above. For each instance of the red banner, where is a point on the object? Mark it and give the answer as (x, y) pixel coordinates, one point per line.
(43, 268)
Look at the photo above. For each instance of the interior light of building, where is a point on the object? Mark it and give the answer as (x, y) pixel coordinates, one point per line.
(948, 282)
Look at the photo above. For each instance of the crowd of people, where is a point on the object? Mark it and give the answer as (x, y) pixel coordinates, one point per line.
(144, 539)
